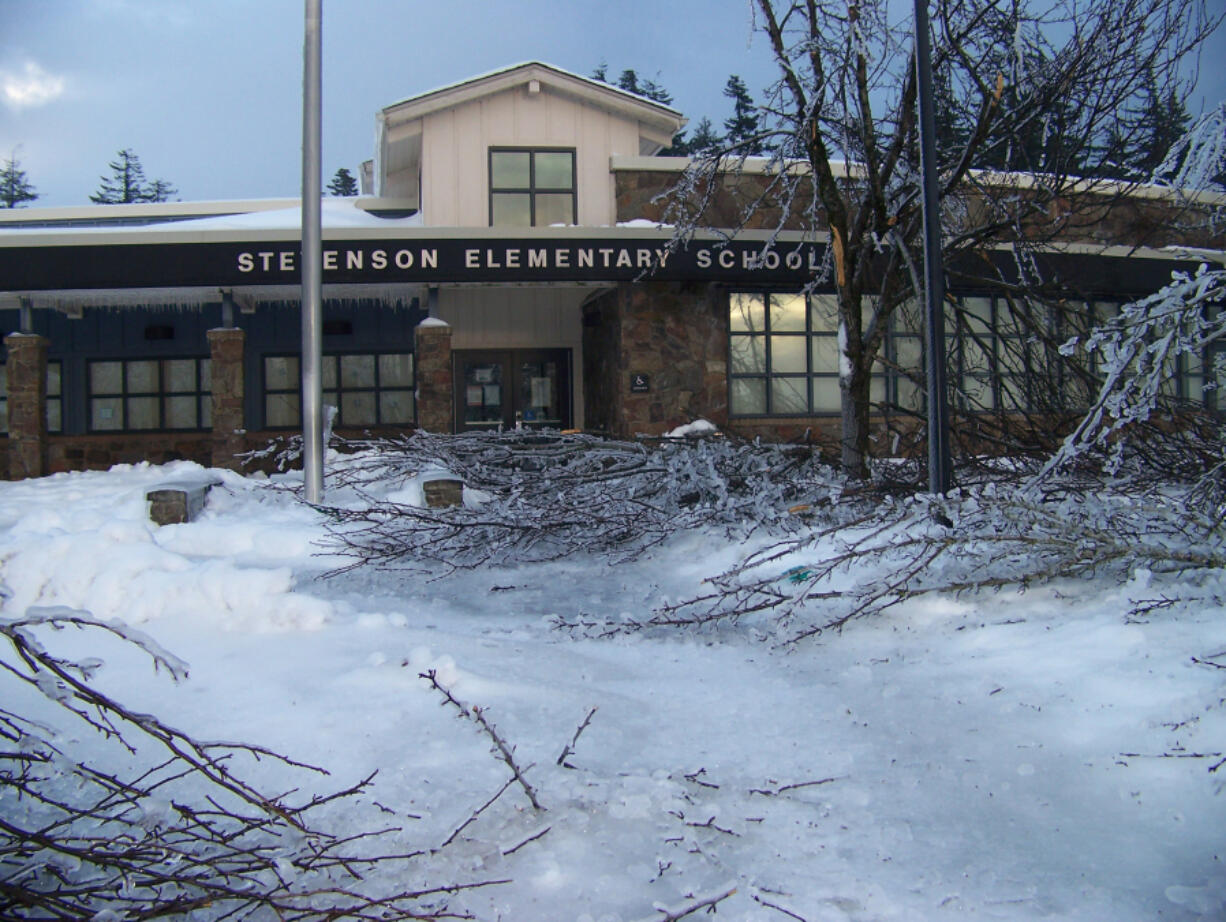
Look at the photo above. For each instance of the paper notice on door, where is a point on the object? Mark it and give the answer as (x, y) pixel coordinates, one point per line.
(472, 396)
(542, 392)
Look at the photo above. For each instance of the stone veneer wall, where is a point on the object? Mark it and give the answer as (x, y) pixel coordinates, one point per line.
(26, 368)
(435, 399)
(676, 334)
(226, 352)
(99, 451)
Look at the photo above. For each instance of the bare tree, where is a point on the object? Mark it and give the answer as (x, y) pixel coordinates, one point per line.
(1029, 91)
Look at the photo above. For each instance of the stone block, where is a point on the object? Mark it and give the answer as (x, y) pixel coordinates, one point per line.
(443, 493)
(179, 501)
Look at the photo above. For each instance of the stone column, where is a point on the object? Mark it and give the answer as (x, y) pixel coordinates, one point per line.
(226, 348)
(26, 370)
(435, 399)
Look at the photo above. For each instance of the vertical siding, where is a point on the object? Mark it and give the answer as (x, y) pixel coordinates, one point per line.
(519, 318)
(455, 166)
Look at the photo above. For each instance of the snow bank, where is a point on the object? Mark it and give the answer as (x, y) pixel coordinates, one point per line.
(995, 756)
(84, 540)
(697, 427)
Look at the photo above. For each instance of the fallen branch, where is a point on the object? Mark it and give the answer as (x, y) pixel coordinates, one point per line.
(540, 833)
(680, 912)
(758, 898)
(502, 749)
(570, 747)
(123, 833)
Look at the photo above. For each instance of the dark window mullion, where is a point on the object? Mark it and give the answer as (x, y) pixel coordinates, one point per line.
(532, 188)
(162, 394)
(768, 368)
(123, 395)
(810, 371)
(996, 374)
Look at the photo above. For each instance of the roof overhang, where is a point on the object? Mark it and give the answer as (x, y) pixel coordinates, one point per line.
(176, 257)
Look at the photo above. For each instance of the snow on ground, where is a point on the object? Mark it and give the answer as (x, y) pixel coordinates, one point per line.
(1007, 757)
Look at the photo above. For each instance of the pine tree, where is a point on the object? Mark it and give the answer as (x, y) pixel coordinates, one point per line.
(127, 184)
(15, 189)
(704, 136)
(742, 127)
(629, 81)
(159, 191)
(655, 92)
(1164, 120)
(343, 183)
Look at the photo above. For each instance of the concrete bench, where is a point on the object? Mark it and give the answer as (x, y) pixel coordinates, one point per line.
(179, 501)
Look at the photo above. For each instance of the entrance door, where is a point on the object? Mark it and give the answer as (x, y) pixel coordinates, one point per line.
(513, 388)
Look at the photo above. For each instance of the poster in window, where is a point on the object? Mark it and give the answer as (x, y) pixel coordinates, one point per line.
(473, 395)
(493, 395)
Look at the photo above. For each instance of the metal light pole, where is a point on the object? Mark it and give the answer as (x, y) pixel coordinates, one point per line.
(939, 475)
(312, 268)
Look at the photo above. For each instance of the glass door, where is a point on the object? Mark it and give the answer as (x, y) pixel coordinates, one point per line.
(481, 399)
(521, 388)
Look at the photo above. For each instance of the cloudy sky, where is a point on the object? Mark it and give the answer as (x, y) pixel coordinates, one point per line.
(208, 92)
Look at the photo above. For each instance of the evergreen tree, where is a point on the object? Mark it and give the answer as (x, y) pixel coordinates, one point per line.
(159, 191)
(742, 127)
(15, 189)
(343, 183)
(1164, 120)
(629, 81)
(952, 131)
(704, 136)
(127, 183)
(655, 92)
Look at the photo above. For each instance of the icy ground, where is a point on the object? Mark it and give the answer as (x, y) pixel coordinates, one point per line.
(1015, 756)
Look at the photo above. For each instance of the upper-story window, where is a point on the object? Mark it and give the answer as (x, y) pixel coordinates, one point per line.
(532, 187)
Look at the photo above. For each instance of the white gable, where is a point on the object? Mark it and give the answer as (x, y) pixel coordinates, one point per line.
(434, 148)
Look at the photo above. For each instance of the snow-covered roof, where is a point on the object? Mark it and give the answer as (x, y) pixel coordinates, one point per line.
(263, 214)
(516, 74)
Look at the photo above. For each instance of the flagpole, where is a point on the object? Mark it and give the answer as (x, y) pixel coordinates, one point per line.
(312, 271)
(939, 465)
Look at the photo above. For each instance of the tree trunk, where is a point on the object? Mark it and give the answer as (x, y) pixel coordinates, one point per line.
(853, 385)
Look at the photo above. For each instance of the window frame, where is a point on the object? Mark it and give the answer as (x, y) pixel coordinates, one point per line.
(811, 375)
(339, 389)
(201, 394)
(532, 190)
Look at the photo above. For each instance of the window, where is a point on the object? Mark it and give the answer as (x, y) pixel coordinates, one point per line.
(532, 188)
(368, 389)
(783, 355)
(55, 399)
(130, 395)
